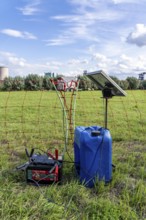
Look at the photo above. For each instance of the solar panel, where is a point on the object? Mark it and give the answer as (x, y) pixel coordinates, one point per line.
(104, 81)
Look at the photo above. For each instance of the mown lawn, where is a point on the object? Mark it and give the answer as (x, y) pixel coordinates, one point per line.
(34, 119)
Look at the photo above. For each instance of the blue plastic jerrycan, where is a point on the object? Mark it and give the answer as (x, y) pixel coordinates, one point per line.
(93, 154)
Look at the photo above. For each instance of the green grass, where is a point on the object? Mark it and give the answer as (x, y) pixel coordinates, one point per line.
(34, 119)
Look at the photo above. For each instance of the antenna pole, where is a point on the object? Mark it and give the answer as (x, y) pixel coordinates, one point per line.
(107, 93)
(106, 112)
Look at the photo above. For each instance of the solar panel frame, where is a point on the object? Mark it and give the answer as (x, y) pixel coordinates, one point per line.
(102, 80)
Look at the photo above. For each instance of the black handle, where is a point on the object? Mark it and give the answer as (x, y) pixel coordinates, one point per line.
(26, 151)
(31, 153)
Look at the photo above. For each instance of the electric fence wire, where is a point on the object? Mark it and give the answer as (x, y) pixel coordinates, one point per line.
(22, 125)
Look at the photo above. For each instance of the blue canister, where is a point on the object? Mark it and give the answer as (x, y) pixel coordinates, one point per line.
(93, 154)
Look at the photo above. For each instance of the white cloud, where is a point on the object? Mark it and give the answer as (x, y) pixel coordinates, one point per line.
(124, 1)
(19, 34)
(84, 23)
(61, 40)
(128, 64)
(17, 65)
(138, 36)
(120, 67)
(31, 8)
(20, 66)
(53, 65)
(71, 35)
(88, 17)
(77, 61)
(85, 3)
(100, 57)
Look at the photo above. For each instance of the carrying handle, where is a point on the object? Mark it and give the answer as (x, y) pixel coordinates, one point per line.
(50, 155)
(93, 128)
(31, 153)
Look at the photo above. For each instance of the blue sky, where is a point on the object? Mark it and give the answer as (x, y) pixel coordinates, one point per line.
(70, 36)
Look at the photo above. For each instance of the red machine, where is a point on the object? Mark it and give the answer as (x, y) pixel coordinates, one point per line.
(43, 168)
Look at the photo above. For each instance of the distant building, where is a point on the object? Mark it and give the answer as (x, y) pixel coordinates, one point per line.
(4, 73)
(84, 72)
(141, 76)
(50, 75)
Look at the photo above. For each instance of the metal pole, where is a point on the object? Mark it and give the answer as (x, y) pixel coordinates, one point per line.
(106, 112)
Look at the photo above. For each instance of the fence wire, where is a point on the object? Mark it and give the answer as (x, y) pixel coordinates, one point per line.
(34, 119)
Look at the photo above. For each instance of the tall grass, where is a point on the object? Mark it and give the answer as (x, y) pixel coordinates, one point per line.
(34, 119)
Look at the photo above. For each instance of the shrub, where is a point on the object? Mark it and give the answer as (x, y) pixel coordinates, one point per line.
(47, 85)
(8, 84)
(143, 84)
(18, 83)
(133, 83)
(33, 82)
(124, 84)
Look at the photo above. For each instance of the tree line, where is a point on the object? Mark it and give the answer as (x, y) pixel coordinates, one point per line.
(34, 82)
(127, 84)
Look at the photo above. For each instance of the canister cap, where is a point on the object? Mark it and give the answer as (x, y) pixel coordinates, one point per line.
(95, 133)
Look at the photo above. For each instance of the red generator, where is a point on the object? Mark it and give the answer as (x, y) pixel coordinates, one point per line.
(44, 168)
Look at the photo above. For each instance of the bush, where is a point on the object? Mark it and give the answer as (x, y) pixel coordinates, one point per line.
(85, 83)
(124, 84)
(133, 83)
(8, 84)
(1, 86)
(18, 83)
(33, 82)
(142, 84)
(115, 79)
(47, 85)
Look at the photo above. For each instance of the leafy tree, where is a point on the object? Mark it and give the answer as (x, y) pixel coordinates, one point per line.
(47, 85)
(124, 84)
(142, 84)
(88, 84)
(81, 83)
(133, 83)
(18, 83)
(94, 86)
(85, 83)
(8, 84)
(115, 79)
(1, 86)
(33, 82)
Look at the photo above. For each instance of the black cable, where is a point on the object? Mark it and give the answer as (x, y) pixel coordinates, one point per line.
(81, 168)
(73, 162)
(50, 200)
(42, 193)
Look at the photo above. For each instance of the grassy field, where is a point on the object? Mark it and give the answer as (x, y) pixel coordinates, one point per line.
(34, 119)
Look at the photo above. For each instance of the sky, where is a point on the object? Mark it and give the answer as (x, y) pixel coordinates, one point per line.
(70, 36)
